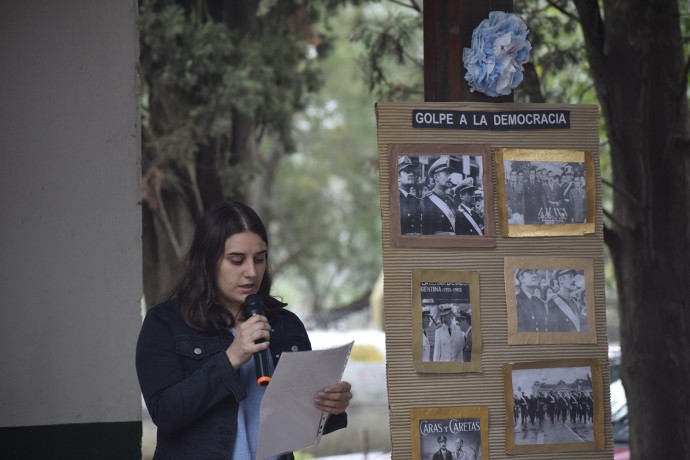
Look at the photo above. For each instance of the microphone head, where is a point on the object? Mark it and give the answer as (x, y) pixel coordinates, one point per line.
(253, 305)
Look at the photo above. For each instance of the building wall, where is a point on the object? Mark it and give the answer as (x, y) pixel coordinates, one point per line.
(70, 239)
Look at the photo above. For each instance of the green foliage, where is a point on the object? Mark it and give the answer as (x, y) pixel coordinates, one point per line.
(200, 71)
(222, 83)
(557, 53)
(394, 62)
(326, 193)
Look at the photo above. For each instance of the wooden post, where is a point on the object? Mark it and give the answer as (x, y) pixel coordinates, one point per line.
(448, 27)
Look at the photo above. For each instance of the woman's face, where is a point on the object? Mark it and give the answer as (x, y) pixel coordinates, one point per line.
(240, 269)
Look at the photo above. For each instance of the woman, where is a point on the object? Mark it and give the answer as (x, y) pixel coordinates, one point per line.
(194, 354)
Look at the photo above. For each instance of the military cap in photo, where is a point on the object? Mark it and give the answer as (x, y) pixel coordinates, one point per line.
(466, 189)
(568, 169)
(462, 182)
(565, 272)
(404, 162)
(520, 271)
(441, 164)
(465, 315)
(445, 309)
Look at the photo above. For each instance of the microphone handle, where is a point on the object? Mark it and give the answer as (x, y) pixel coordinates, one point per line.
(263, 371)
(255, 306)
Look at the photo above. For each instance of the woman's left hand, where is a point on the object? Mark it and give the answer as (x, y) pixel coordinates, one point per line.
(335, 398)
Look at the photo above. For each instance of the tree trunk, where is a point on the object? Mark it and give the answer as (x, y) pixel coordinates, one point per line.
(636, 57)
(161, 257)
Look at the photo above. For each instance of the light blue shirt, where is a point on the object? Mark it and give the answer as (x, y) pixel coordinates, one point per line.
(248, 415)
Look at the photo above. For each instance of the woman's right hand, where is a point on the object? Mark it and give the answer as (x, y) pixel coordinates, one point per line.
(247, 333)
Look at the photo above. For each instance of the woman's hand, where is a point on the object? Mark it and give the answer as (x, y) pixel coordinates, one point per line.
(247, 334)
(335, 398)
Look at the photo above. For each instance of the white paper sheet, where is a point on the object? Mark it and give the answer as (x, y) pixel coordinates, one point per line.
(289, 420)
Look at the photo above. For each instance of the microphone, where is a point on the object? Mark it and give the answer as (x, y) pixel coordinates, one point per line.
(255, 306)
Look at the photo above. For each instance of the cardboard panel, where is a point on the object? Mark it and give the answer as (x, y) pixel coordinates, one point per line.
(568, 128)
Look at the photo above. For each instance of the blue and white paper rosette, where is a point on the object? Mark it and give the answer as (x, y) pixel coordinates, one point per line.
(499, 49)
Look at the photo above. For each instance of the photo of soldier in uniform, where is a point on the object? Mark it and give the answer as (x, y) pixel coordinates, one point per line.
(554, 405)
(551, 297)
(447, 322)
(445, 313)
(545, 192)
(551, 192)
(410, 203)
(438, 195)
(550, 300)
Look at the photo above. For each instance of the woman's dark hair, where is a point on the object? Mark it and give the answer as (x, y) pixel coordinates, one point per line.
(196, 291)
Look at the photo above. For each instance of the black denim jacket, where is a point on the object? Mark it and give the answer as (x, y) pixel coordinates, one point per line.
(190, 388)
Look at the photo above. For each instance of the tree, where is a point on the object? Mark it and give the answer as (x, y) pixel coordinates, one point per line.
(635, 54)
(327, 195)
(222, 82)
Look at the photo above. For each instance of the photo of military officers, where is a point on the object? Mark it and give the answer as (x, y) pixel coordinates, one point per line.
(441, 195)
(548, 300)
(446, 322)
(545, 192)
(553, 405)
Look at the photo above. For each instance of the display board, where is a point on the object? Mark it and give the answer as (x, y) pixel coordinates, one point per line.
(493, 211)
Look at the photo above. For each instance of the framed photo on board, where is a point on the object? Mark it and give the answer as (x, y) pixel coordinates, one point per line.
(556, 406)
(446, 321)
(549, 300)
(450, 432)
(439, 194)
(545, 192)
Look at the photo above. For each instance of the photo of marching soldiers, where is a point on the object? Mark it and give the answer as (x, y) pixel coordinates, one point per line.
(553, 405)
(450, 439)
(446, 322)
(550, 300)
(441, 195)
(545, 192)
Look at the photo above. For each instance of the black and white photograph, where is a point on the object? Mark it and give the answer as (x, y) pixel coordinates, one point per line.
(446, 316)
(442, 196)
(549, 300)
(450, 433)
(446, 322)
(555, 404)
(547, 192)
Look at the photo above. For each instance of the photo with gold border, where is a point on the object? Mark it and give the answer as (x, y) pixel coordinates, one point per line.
(545, 192)
(446, 321)
(450, 432)
(554, 406)
(439, 194)
(550, 300)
